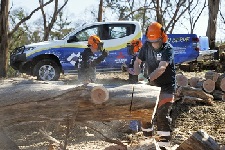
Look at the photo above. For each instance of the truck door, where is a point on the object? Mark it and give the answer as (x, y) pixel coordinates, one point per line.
(75, 44)
(115, 37)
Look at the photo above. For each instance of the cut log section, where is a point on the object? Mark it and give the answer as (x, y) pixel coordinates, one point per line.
(181, 80)
(208, 85)
(99, 95)
(46, 101)
(194, 81)
(220, 83)
(212, 75)
(199, 140)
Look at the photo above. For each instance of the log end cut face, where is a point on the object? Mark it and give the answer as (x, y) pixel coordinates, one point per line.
(99, 95)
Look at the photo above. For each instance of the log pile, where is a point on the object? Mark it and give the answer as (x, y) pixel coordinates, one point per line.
(207, 89)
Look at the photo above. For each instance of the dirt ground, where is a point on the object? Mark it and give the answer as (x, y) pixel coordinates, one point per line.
(187, 118)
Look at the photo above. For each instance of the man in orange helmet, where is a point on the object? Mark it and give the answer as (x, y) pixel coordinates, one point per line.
(86, 63)
(158, 56)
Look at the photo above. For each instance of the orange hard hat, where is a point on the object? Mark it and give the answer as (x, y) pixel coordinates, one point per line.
(94, 41)
(137, 44)
(156, 33)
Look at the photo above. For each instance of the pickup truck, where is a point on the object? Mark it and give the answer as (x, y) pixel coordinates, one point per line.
(48, 59)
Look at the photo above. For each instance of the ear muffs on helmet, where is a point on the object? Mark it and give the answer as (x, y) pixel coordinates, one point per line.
(134, 46)
(155, 33)
(95, 42)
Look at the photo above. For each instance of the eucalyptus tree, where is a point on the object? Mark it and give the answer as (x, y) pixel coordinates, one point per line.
(213, 8)
(6, 33)
(49, 22)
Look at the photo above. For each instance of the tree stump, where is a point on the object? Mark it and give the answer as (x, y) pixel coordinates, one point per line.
(199, 140)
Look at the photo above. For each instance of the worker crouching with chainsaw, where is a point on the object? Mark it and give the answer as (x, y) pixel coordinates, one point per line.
(133, 49)
(158, 56)
(87, 61)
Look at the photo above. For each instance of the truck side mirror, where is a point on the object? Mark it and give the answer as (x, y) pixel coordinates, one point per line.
(72, 39)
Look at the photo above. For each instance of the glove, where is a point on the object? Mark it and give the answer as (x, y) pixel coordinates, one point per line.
(105, 53)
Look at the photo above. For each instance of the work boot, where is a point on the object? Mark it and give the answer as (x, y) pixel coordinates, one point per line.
(164, 139)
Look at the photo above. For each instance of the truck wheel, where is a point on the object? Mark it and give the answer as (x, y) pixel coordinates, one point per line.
(47, 70)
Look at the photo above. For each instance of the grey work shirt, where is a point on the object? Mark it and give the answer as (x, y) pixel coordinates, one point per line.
(152, 59)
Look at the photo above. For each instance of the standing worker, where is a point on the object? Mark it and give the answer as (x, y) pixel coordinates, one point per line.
(86, 63)
(158, 55)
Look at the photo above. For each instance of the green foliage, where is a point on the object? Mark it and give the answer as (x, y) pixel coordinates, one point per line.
(61, 27)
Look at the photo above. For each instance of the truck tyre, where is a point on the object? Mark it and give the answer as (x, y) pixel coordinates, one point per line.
(47, 70)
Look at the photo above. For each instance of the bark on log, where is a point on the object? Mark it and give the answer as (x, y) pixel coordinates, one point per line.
(43, 101)
(6, 143)
(196, 92)
(191, 100)
(181, 80)
(199, 140)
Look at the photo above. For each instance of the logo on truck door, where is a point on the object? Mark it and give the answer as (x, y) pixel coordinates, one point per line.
(120, 58)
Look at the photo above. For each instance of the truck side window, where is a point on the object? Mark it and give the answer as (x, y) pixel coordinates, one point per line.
(84, 34)
(121, 30)
(105, 33)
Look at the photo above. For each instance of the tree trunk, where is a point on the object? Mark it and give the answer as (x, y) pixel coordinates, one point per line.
(4, 37)
(213, 7)
(42, 102)
(100, 11)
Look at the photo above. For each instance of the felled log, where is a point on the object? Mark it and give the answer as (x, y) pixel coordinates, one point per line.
(182, 80)
(43, 101)
(196, 92)
(6, 143)
(199, 140)
(220, 83)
